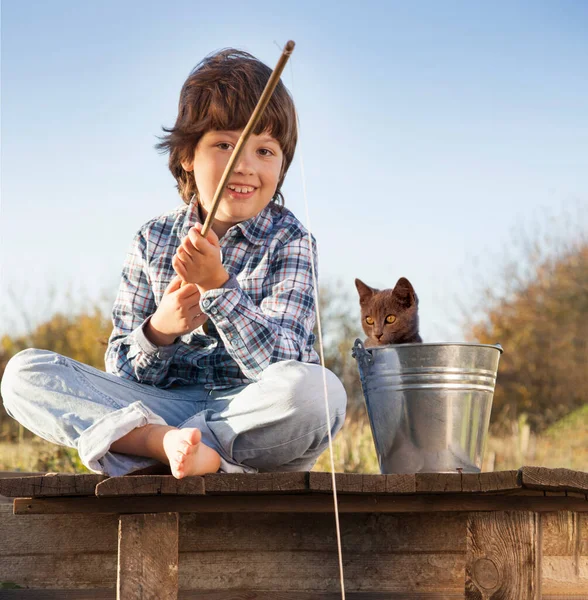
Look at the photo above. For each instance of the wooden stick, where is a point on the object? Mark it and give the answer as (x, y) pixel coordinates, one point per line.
(253, 120)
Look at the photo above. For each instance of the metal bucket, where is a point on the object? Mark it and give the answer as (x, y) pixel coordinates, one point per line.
(429, 404)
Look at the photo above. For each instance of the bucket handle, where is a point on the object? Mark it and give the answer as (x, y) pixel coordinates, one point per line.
(361, 355)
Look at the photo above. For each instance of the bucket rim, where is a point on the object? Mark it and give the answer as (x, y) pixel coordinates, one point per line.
(420, 344)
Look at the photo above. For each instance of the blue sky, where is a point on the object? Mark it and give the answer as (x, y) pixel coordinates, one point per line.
(432, 134)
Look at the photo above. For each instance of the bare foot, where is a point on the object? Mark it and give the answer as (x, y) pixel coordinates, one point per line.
(187, 455)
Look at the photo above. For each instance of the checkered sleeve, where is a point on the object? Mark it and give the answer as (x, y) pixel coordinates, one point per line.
(130, 354)
(280, 328)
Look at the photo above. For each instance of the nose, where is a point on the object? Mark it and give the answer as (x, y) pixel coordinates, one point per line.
(379, 335)
(244, 165)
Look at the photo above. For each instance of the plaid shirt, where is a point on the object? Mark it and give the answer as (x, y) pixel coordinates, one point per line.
(265, 313)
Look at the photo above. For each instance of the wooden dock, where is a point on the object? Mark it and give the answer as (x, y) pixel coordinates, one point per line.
(512, 535)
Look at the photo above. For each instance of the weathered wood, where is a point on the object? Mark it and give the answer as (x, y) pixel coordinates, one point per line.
(150, 485)
(80, 550)
(438, 482)
(565, 553)
(490, 482)
(503, 556)
(319, 503)
(52, 534)
(537, 478)
(358, 483)
(319, 572)
(148, 557)
(363, 533)
(41, 486)
(263, 483)
(235, 595)
(554, 479)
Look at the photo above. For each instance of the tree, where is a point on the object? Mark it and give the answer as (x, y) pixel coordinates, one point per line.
(539, 314)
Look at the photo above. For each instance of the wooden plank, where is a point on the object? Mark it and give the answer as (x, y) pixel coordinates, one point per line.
(41, 486)
(358, 483)
(53, 534)
(490, 482)
(364, 532)
(435, 483)
(278, 595)
(150, 485)
(37, 594)
(503, 556)
(83, 570)
(262, 483)
(319, 571)
(319, 503)
(565, 553)
(148, 557)
(554, 479)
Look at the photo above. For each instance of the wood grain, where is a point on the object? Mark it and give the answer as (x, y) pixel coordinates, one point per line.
(503, 556)
(148, 557)
(358, 483)
(554, 479)
(40, 486)
(150, 485)
(262, 483)
(292, 503)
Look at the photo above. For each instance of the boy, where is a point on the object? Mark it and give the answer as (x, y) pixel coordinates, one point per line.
(211, 362)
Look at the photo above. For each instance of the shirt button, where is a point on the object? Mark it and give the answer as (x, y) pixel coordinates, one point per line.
(213, 310)
(236, 343)
(206, 303)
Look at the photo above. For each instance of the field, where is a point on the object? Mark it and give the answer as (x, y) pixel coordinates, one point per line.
(565, 444)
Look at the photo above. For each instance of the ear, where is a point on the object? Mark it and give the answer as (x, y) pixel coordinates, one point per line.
(404, 291)
(187, 159)
(187, 165)
(365, 291)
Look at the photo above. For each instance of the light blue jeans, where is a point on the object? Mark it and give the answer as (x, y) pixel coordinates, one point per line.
(278, 423)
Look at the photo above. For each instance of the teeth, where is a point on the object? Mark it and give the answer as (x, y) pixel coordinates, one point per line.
(241, 189)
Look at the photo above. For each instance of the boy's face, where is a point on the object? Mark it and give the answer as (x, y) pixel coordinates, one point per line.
(252, 184)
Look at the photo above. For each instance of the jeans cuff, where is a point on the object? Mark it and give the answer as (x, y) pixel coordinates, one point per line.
(94, 443)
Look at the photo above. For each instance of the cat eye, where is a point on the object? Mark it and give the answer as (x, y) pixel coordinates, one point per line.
(390, 319)
(369, 320)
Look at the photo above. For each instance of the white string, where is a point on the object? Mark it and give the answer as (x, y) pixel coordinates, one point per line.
(322, 354)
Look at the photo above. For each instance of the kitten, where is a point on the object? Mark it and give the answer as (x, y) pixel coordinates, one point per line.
(389, 316)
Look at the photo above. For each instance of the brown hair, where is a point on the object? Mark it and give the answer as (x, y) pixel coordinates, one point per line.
(220, 94)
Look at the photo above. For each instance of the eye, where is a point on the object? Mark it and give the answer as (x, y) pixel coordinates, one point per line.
(266, 152)
(390, 319)
(224, 146)
(369, 320)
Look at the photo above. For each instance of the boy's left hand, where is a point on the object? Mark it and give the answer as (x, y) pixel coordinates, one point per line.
(198, 260)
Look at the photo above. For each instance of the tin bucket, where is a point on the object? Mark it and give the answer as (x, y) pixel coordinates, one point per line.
(428, 404)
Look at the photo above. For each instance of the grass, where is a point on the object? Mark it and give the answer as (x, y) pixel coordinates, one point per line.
(565, 445)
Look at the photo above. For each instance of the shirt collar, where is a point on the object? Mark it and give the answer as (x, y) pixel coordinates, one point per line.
(255, 230)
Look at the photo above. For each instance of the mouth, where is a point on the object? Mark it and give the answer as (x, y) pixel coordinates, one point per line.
(241, 192)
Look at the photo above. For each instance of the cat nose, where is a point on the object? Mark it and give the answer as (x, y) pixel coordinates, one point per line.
(379, 335)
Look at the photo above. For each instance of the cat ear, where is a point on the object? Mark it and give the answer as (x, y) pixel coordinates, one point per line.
(365, 291)
(404, 291)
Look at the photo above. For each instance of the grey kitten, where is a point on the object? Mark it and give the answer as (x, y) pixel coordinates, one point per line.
(389, 316)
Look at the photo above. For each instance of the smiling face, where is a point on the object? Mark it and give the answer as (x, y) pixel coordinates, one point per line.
(252, 184)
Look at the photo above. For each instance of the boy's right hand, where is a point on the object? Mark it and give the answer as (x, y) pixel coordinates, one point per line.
(178, 313)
